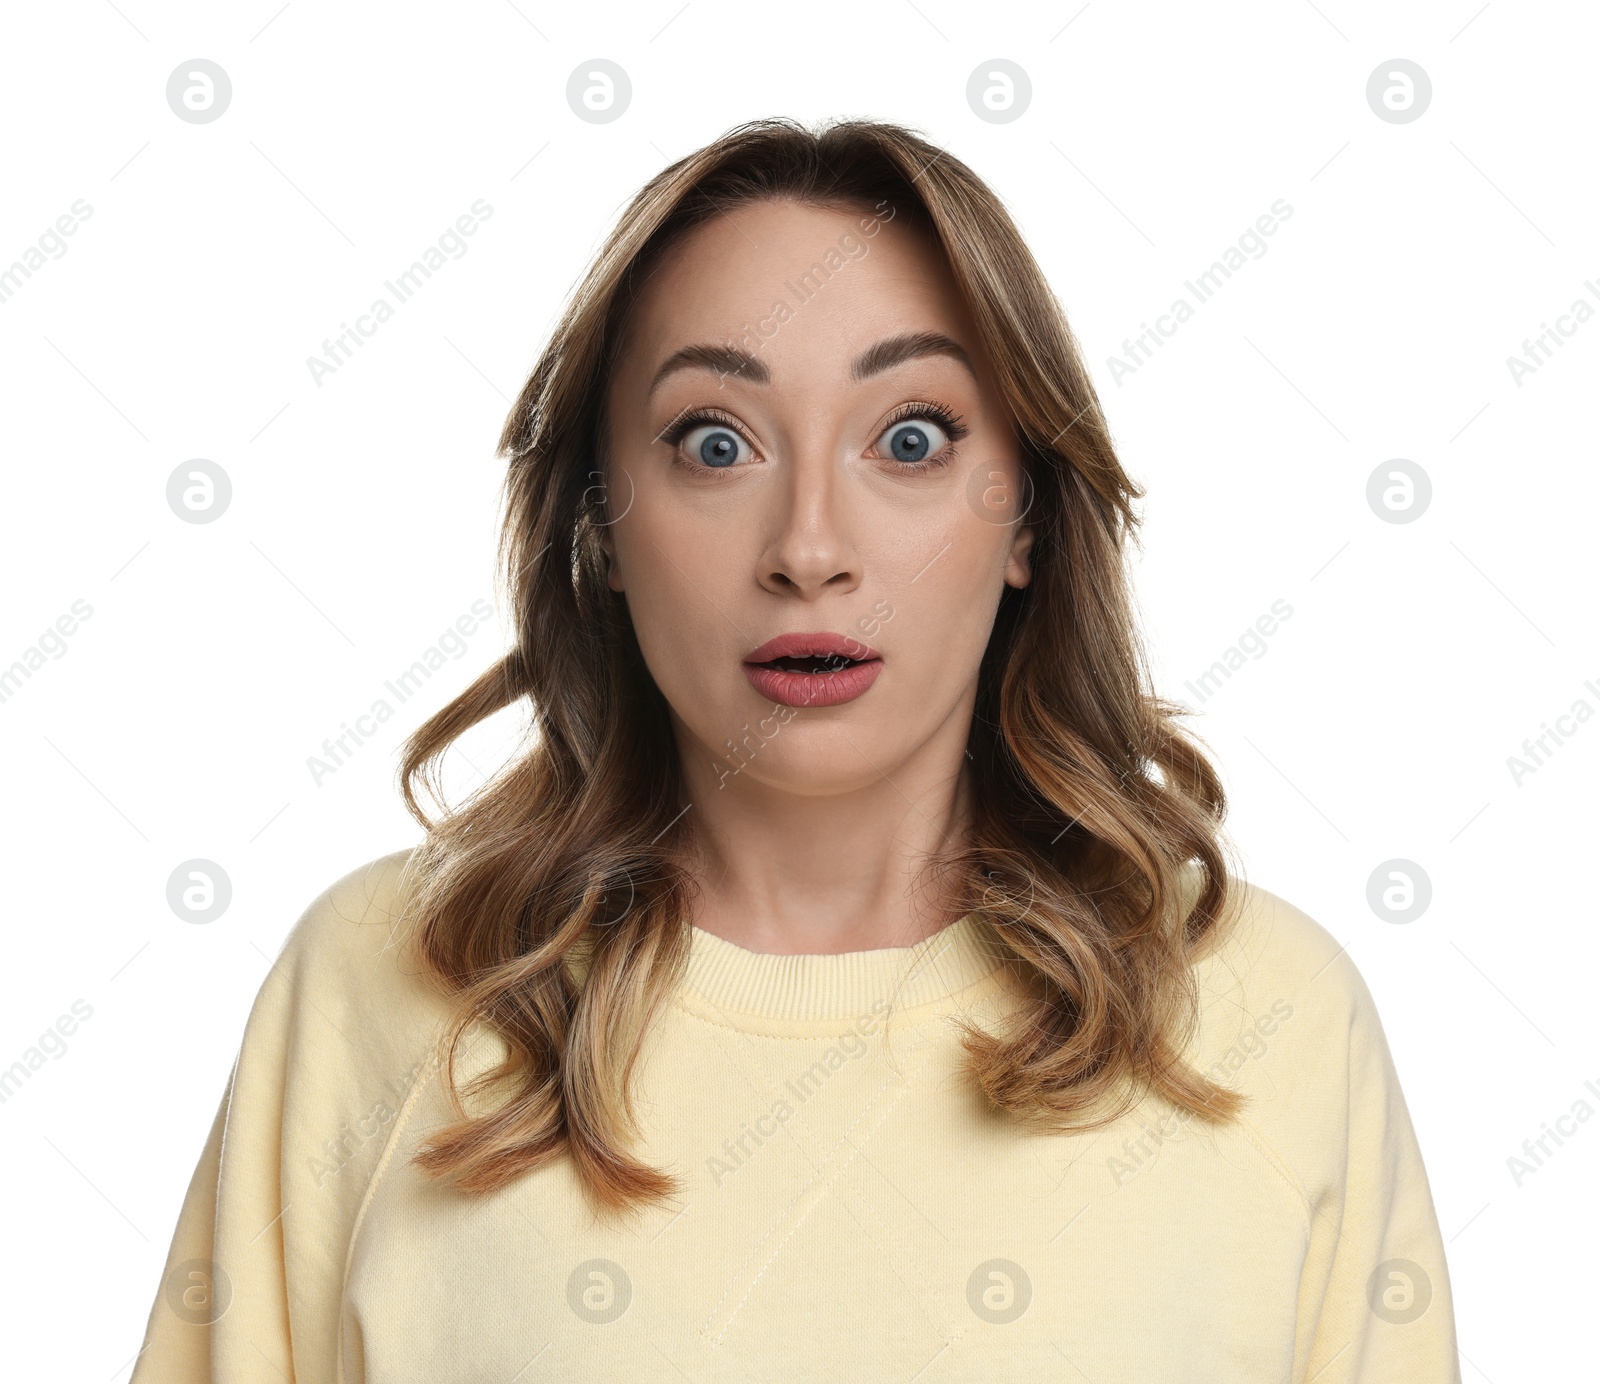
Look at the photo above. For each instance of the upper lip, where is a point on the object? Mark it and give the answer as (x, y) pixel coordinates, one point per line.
(821, 644)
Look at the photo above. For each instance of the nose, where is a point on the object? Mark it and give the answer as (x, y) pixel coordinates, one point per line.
(811, 553)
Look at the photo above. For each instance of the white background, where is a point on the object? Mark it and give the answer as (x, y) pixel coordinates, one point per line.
(1377, 724)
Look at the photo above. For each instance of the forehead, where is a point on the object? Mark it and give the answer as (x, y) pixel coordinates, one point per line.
(803, 282)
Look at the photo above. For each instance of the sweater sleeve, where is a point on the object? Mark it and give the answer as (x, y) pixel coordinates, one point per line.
(252, 1284)
(1385, 1314)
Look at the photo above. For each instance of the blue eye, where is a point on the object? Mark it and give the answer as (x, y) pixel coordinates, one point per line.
(716, 446)
(913, 440)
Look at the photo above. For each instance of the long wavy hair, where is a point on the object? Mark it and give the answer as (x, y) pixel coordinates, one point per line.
(554, 904)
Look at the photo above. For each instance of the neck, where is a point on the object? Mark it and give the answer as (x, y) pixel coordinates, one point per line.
(825, 872)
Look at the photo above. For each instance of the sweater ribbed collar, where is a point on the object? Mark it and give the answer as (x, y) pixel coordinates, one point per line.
(754, 989)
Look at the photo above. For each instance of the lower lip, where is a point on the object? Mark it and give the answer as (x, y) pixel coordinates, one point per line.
(813, 689)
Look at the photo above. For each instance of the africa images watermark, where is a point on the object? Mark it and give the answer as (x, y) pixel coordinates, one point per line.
(336, 751)
(1252, 1044)
(1538, 350)
(751, 742)
(51, 245)
(740, 1149)
(843, 252)
(1251, 245)
(1539, 1151)
(51, 644)
(336, 351)
(1537, 749)
(52, 1043)
(340, 1151)
(1253, 641)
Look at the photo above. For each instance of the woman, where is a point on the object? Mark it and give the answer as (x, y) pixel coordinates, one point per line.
(848, 980)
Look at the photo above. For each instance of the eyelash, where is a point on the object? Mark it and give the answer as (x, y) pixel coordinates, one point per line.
(948, 420)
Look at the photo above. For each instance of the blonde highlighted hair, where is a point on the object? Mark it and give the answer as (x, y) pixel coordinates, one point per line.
(1096, 846)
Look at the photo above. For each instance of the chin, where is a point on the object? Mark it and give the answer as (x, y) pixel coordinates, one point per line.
(812, 761)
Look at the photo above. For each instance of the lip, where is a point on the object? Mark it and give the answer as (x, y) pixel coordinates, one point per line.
(801, 689)
(820, 644)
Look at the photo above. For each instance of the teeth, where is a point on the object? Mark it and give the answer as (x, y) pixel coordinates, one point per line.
(812, 663)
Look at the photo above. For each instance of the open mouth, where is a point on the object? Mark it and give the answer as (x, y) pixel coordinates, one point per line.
(820, 669)
(811, 663)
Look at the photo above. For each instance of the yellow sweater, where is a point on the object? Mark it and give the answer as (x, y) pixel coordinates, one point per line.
(853, 1209)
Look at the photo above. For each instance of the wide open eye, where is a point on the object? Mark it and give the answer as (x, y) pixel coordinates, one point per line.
(715, 445)
(913, 439)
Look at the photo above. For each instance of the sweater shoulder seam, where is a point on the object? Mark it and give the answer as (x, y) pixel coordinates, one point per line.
(1276, 1161)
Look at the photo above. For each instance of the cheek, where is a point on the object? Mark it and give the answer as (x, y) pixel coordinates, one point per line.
(942, 587)
(680, 569)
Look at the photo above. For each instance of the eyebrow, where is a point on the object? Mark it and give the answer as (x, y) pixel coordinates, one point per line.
(885, 355)
(896, 350)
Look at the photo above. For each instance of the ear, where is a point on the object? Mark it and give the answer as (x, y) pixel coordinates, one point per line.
(608, 548)
(1019, 571)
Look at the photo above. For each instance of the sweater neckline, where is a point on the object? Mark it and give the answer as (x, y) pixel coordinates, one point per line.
(841, 986)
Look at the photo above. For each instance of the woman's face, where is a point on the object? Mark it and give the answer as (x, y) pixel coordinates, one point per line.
(807, 446)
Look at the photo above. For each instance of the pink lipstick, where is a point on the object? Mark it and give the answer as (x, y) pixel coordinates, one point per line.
(819, 669)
